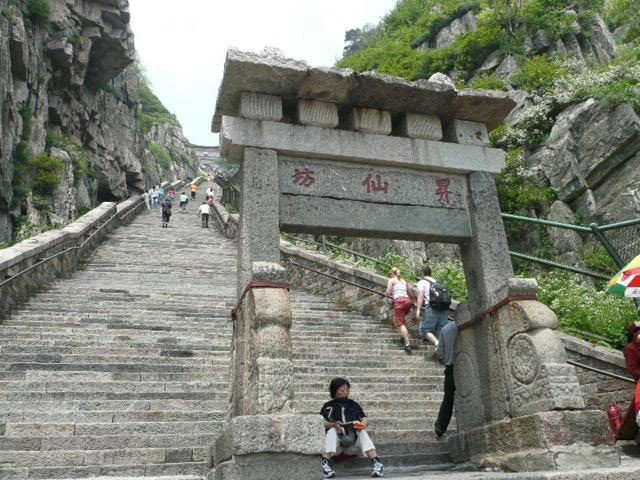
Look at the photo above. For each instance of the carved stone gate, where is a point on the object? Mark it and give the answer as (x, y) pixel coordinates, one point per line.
(326, 150)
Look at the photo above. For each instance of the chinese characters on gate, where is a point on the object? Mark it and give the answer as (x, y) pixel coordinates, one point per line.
(374, 183)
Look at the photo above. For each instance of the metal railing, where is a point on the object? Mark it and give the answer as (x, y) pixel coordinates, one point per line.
(628, 243)
(325, 245)
(601, 372)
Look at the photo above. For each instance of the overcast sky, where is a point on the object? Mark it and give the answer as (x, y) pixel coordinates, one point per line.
(182, 44)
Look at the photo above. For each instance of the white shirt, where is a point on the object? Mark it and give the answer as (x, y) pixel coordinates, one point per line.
(424, 286)
(204, 208)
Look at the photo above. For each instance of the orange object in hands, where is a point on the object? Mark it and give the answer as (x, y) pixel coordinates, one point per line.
(359, 425)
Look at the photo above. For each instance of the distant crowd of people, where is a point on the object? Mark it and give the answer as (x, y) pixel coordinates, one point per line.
(155, 198)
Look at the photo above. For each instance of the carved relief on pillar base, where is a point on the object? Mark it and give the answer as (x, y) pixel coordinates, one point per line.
(543, 441)
(536, 373)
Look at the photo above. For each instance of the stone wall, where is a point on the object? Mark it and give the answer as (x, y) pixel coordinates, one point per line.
(57, 253)
(599, 390)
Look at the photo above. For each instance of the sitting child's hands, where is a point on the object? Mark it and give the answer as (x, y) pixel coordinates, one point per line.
(359, 425)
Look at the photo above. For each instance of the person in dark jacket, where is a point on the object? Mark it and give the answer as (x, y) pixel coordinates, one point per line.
(166, 212)
(446, 350)
(345, 424)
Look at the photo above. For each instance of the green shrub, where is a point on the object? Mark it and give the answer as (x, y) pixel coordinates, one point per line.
(161, 155)
(45, 172)
(38, 10)
(153, 111)
(488, 82)
(518, 191)
(76, 151)
(580, 308)
(537, 74)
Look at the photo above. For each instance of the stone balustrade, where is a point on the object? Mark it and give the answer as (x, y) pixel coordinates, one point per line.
(57, 253)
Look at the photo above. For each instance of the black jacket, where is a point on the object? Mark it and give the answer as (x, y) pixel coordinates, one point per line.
(342, 409)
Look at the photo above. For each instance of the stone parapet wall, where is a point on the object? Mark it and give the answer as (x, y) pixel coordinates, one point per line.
(228, 223)
(340, 292)
(57, 253)
(599, 390)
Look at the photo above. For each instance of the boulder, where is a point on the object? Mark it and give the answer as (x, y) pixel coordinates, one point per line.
(591, 159)
(602, 41)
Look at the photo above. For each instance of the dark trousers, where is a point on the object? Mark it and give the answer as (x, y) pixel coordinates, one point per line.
(205, 220)
(446, 407)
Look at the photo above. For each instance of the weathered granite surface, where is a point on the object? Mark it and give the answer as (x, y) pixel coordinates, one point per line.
(292, 79)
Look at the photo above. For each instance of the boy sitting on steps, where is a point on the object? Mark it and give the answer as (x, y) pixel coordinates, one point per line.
(345, 423)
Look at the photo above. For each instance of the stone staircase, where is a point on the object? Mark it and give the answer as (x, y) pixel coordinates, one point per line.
(400, 393)
(122, 370)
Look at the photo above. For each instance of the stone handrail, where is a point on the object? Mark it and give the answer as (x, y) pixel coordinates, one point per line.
(29, 265)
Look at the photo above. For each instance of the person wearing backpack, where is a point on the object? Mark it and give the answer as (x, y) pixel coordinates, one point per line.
(345, 423)
(432, 310)
(166, 212)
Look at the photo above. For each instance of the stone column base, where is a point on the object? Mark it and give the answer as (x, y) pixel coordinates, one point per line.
(269, 447)
(555, 440)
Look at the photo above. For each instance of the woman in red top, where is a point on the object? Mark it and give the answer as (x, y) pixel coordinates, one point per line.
(632, 351)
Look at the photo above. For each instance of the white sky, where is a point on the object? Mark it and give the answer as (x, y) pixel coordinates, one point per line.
(183, 44)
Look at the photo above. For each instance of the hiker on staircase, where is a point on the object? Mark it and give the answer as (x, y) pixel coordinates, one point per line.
(345, 424)
(398, 289)
(432, 308)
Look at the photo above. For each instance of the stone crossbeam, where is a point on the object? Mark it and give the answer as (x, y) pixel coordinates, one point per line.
(357, 147)
(273, 74)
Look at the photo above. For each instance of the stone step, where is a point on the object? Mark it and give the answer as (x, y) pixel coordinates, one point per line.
(100, 416)
(105, 442)
(103, 429)
(63, 458)
(53, 376)
(110, 367)
(199, 351)
(374, 407)
(111, 386)
(185, 470)
(320, 381)
(124, 406)
(374, 388)
(364, 398)
(62, 396)
(212, 358)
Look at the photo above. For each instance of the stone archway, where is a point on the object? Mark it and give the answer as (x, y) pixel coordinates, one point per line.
(330, 151)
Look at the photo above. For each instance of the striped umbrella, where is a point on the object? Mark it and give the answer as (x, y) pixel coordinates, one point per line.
(626, 283)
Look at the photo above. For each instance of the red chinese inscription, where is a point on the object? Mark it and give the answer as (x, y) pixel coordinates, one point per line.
(442, 189)
(377, 185)
(303, 177)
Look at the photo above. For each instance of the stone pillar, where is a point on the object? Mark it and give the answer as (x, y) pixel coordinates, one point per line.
(519, 405)
(259, 234)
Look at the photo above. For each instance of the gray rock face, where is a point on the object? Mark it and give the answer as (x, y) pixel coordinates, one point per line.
(592, 159)
(72, 78)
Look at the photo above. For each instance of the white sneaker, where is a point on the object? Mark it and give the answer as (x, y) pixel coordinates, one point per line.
(327, 471)
(378, 469)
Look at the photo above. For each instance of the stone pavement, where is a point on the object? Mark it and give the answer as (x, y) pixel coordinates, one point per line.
(121, 371)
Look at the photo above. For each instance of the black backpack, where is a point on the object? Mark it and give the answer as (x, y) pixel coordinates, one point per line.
(439, 297)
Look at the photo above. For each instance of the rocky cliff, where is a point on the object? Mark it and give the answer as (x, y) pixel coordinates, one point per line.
(573, 141)
(70, 130)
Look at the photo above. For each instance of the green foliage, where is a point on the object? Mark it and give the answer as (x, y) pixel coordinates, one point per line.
(450, 273)
(153, 111)
(580, 308)
(597, 259)
(83, 210)
(20, 185)
(537, 74)
(230, 208)
(163, 158)
(620, 13)
(519, 192)
(26, 113)
(39, 10)
(76, 151)
(45, 172)
(488, 82)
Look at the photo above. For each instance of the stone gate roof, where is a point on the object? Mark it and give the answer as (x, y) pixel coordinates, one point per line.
(293, 79)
